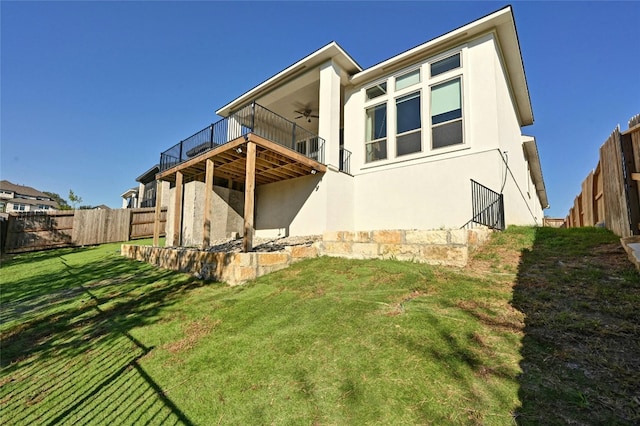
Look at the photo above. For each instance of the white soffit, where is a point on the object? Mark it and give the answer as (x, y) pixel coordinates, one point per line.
(502, 23)
(535, 168)
(320, 56)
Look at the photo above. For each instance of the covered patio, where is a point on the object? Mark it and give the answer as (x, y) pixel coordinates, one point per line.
(246, 161)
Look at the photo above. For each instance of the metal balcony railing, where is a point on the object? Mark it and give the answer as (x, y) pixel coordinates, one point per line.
(345, 160)
(252, 118)
(487, 207)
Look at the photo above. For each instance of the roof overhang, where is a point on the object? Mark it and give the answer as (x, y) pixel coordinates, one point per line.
(149, 175)
(133, 192)
(501, 23)
(331, 51)
(531, 151)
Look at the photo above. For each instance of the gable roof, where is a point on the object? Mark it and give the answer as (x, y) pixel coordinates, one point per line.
(330, 51)
(501, 22)
(28, 191)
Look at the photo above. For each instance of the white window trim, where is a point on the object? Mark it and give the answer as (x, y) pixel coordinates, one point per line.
(463, 118)
(424, 87)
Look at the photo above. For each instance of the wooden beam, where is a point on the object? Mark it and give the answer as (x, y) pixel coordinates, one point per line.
(157, 213)
(208, 199)
(249, 197)
(635, 176)
(177, 211)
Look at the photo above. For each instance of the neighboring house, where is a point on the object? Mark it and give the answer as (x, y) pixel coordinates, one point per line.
(20, 198)
(144, 195)
(428, 139)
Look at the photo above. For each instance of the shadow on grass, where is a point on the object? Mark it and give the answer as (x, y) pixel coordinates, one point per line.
(580, 296)
(70, 357)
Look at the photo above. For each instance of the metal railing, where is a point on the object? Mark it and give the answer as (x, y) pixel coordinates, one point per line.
(345, 160)
(487, 207)
(252, 118)
(148, 202)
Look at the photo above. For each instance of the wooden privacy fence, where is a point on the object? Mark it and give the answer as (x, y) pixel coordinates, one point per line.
(43, 230)
(611, 193)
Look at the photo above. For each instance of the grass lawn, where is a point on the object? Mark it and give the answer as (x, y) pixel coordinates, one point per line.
(538, 329)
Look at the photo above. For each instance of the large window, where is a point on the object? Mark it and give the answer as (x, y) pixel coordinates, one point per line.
(446, 114)
(376, 132)
(408, 123)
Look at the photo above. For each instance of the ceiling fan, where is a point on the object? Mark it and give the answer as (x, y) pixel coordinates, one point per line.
(306, 113)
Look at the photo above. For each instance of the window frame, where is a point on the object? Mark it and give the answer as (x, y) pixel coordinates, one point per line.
(461, 118)
(398, 135)
(385, 139)
(423, 88)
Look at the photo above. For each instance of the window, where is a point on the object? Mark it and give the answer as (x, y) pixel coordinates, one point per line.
(375, 91)
(408, 124)
(42, 207)
(409, 79)
(445, 65)
(446, 114)
(19, 207)
(376, 133)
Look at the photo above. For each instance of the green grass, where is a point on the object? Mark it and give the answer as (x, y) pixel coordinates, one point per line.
(89, 337)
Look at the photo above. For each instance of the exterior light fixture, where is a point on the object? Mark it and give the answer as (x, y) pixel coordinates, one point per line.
(239, 150)
(314, 171)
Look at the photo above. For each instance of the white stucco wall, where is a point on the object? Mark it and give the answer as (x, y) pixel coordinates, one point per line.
(309, 205)
(403, 192)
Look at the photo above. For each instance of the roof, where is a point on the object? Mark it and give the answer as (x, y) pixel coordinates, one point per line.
(502, 23)
(131, 192)
(330, 51)
(28, 191)
(149, 175)
(531, 151)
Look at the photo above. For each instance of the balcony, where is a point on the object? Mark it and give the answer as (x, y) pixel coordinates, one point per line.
(251, 119)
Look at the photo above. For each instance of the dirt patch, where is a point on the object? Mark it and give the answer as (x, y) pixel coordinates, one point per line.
(194, 331)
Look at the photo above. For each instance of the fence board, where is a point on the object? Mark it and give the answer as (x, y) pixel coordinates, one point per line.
(615, 201)
(587, 201)
(142, 222)
(38, 231)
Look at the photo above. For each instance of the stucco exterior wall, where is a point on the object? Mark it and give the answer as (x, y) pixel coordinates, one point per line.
(305, 206)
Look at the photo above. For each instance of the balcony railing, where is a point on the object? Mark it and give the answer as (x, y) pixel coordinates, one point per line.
(252, 118)
(487, 207)
(345, 160)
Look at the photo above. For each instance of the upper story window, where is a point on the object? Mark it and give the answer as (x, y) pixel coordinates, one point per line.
(429, 95)
(408, 124)
(446, 113)
(376, 133)
(446, 64)
(19, 207)
(408, 79)
(376, 91)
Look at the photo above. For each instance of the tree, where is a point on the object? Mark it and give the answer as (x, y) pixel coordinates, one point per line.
(62, 203)
(75, 199)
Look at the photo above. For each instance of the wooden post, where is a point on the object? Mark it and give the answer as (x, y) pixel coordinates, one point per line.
(177, 212)
(208, 197)
(249, 196)
(157, 213)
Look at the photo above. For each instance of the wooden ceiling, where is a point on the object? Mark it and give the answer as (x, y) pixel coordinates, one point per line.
(273, 163)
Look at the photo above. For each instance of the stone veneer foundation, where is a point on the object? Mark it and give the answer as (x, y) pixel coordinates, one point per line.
(446, 247)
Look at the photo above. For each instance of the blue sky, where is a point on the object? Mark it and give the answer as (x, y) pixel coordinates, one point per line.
(92, 92)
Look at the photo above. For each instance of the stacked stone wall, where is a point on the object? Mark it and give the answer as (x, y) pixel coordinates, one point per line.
(446, 247)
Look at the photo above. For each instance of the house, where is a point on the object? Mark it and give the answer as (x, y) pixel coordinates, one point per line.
(20, 198)
(428, 139)
(144, 195)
